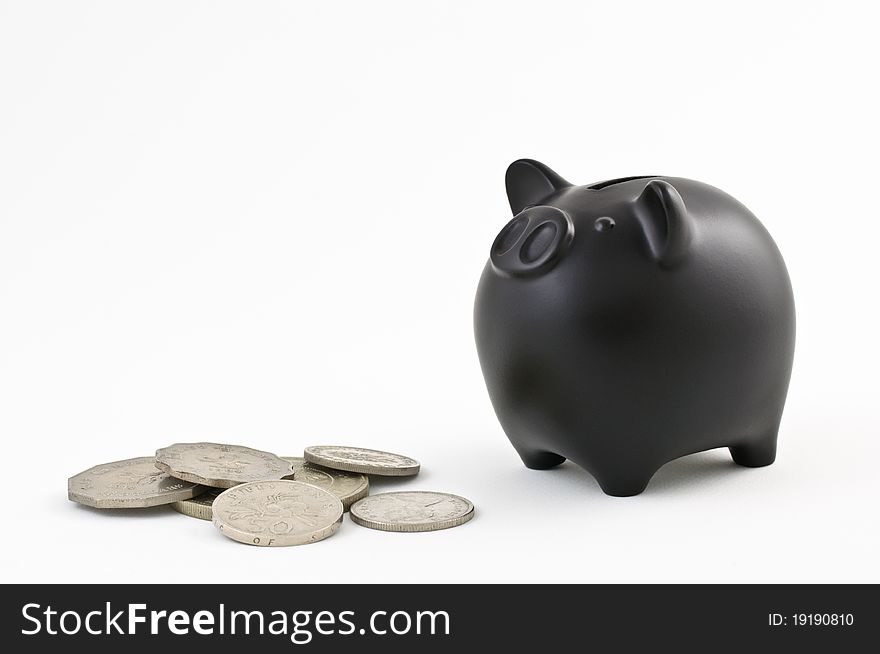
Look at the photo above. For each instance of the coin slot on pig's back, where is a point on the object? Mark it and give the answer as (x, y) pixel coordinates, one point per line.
(598, 186)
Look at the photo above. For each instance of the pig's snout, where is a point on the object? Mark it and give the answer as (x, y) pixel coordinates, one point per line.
(532, 241)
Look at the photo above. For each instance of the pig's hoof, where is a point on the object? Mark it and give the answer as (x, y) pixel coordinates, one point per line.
(625, 484)
(754, 454)
(623, 488)
(541, 460)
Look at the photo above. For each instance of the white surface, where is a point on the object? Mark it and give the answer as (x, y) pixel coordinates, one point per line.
(264, 223)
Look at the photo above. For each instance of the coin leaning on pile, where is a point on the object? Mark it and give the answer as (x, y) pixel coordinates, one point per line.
(220, 466)
(258, 498)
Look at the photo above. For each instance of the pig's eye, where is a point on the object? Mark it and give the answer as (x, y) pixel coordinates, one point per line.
(604, 224)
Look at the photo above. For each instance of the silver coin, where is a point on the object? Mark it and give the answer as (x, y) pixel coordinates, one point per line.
(218, 465)
(296, 463)
(359, 459)
(277, 513)
(349, 487)
(129, 484)
(198, 506)
(412, 511)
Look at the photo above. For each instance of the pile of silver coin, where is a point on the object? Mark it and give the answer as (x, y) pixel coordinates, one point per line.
(259, 498)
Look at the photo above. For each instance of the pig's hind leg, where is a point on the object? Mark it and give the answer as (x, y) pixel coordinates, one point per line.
(624, 481)
(755, 452)
(538, 459)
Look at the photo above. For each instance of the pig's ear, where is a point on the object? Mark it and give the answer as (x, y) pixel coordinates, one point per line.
(665, 220)
(528, 182)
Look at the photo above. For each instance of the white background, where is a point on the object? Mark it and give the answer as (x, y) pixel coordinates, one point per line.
(264, 222)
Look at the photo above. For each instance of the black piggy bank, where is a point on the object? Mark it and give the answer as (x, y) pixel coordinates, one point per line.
(627, 323)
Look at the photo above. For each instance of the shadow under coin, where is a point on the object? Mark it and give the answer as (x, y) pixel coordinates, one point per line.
(148, 512)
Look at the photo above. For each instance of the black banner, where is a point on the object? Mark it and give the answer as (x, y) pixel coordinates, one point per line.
(438, 617)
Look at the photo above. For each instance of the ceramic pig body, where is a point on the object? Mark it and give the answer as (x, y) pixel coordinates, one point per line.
(627, 323)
